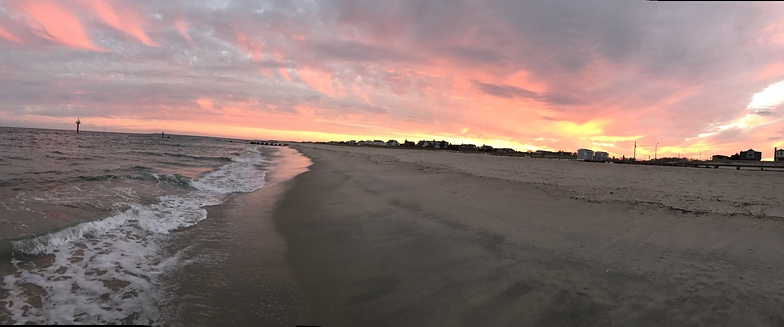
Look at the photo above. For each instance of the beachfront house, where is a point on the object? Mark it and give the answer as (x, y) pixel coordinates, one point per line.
(778, 154)
(408, 144)
(720, 157)
(750, 154)
(440, 144)
(393, 143)
(486, 148)
(467, 147)
(601, 156)
(584, 154)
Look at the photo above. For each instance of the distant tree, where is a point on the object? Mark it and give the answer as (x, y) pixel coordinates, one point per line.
(735, 156)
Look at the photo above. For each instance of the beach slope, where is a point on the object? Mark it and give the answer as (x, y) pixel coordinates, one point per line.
(420, 238)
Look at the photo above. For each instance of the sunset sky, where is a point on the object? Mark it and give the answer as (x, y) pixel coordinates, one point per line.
(696, 78)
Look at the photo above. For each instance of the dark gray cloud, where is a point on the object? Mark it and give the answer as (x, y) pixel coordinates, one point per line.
(764, 112)
(475, 55)
(510, 92)
(357, 52)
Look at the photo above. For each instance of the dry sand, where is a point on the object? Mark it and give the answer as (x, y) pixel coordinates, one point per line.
(391, 237)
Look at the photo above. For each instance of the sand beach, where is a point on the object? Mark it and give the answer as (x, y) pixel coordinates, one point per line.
(399, 237)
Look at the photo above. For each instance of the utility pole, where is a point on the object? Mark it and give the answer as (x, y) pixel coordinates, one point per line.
(656, 148)
(635, 151)
(77, 124)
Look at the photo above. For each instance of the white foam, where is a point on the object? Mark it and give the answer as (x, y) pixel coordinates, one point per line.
(241, 175)
(117, 280)
(174, 212)
(107, 271)
(171, 211)
(49, 243)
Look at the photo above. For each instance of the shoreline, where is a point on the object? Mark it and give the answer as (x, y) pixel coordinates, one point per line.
(401, 238)
(238, 273)
(227, 267)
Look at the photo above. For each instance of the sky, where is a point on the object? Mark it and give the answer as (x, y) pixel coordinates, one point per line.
(688, 79)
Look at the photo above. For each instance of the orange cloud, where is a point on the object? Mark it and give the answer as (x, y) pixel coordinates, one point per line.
(8, 36)
(183, 29)
(318, 80)
(773, 71)
(248, 45)
(265, 71)
(284, 73)
(56, 23)
(361, 92)
(772, 34)
(129, 23)
(208, 104)
(522, 79)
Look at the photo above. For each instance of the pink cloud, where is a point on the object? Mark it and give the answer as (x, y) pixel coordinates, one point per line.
(123, 19)
(49, 20)
(182, 27)
(8, 36)
(318, 80)
(248, 45)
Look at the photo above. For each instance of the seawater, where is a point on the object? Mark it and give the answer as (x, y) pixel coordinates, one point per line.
(87, 217)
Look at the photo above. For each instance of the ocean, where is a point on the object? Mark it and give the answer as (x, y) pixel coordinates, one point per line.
(117, 228)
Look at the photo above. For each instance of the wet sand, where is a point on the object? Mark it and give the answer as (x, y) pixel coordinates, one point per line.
(392, 237)
(237, 274)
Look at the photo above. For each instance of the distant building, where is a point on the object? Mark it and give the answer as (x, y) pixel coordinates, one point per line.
(393, 143)
(778, 154)
(440, 144)
(720, 157)
(486, 148)
(601, 156)
(426, 144)
(505, 150)
(408, 144)
(369, 142)
(467, 147)
(584, 154)
(750, 154)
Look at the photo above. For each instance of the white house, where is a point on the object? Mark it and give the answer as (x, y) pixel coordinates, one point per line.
(778, 154)
(600, 156)
(584, 154)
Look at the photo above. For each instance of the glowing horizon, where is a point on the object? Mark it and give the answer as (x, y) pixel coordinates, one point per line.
(527, 75)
